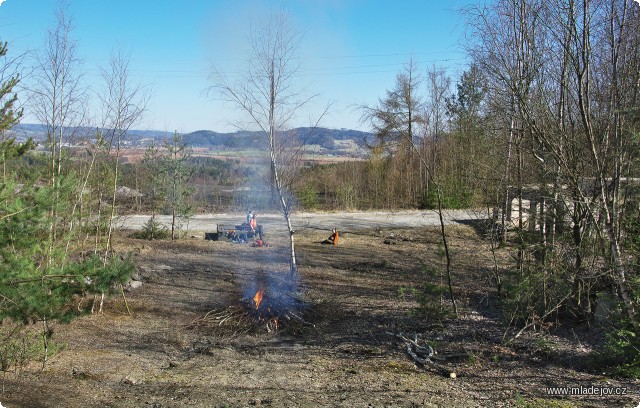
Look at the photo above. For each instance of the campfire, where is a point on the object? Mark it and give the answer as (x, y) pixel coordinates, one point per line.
(275, 303)
(270, 302)
(257, 299)
(264, 316)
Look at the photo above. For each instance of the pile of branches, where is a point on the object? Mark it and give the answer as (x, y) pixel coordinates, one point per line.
(229, 321)
(271, 302)
(274, 314)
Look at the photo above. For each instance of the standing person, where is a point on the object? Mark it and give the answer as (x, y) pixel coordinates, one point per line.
(253, 223)
(249, 216)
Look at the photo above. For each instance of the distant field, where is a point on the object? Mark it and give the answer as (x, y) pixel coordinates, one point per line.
(314, 155)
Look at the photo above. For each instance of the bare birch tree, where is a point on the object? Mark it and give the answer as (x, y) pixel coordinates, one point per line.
(123, 104)
(268, 93)
(57, 101)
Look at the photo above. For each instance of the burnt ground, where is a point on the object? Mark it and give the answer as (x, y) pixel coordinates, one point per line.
(172, 352)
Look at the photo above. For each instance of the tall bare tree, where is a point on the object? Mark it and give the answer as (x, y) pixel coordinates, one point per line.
(269, 94)
(123, 104)
(57, 101)
(397, 121)
(438, 84)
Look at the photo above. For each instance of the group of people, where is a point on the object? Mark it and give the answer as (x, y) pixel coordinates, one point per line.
(253, 223)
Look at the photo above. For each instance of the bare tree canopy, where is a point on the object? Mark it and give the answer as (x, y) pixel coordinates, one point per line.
(268, 92)
(565, 74)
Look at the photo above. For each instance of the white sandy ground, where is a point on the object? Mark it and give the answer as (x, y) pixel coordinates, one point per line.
(343, 221)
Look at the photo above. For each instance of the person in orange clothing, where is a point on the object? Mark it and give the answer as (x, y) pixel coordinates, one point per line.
(333, 239)
(253, 223)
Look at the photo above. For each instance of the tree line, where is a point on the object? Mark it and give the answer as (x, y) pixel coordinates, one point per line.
(541, 130)
(57, 206)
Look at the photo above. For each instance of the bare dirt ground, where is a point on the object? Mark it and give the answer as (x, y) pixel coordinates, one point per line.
(345, 221)
(169, 354)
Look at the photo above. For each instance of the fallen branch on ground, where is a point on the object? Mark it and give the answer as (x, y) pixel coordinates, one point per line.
(300, 319)
(423, 355)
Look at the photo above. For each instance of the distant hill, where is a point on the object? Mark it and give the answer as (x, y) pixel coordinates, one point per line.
(236, 140)
(242, 139)
(323, 137)
(38, 133)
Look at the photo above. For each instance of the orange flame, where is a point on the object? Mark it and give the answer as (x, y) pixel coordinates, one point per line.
(257, 299)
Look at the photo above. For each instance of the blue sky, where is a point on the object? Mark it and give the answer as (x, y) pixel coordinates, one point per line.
(351, 49)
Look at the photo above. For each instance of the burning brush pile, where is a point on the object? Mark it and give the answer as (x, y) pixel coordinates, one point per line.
(270, 302)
